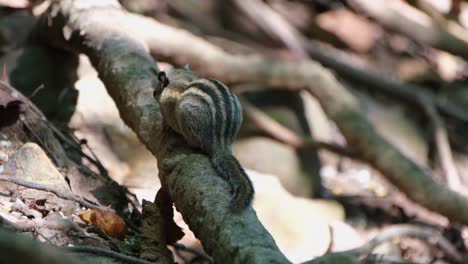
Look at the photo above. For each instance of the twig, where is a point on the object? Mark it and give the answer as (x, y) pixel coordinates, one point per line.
(56, 192)
(39, 88)
(74, 146)
(182, 247)
(442, 143)
(40, 141)
(107, 253)
(283, 134)
(273, 24)
(428, 234)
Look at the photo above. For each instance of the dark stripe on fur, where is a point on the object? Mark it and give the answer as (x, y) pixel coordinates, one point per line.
(239, 117)
(216, 101)
(230, 114)
(238, 112)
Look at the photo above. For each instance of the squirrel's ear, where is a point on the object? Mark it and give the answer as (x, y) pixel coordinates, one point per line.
(187, 68)
(162, 77)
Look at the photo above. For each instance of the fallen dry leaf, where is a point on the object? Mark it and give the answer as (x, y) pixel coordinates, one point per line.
(107, 221)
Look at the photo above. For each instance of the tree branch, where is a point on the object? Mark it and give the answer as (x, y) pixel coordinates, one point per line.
(117, 48)
(416, 182)
(112, 39)
(56, 192)
(285, 135)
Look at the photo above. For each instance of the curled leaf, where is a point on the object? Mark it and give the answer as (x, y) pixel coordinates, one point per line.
(107, 221)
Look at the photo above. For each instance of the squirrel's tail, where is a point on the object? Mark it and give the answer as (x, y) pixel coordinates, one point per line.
(227, 166)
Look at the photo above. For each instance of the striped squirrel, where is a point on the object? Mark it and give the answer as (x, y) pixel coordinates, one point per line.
(208, 116)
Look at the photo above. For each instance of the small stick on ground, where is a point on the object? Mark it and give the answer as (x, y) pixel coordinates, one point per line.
(66, 196)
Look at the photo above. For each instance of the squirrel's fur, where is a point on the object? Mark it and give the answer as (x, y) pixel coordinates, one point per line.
(208, 116)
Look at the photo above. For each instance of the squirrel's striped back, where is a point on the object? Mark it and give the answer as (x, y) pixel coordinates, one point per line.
(208, 115)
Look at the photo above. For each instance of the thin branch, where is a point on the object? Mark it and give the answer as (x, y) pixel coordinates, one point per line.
(442, 143)
(200, 254)
(56, 192)
(94, 160)
(427, 234)
(273, 24)
(285, 135)
(107, 253)
(37, 90)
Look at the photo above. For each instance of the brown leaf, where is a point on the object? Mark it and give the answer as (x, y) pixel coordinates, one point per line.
(107, 221)
(88, 216)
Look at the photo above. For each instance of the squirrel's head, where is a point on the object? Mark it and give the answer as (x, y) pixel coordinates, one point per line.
(175, 78)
